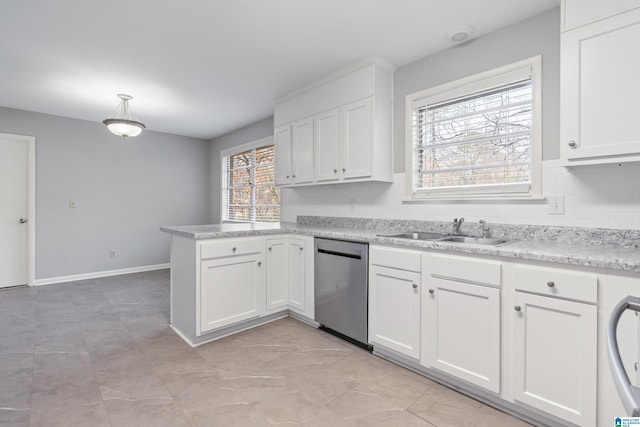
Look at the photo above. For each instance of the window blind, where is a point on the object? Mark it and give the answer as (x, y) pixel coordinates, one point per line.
(251, 194)
(479, 143)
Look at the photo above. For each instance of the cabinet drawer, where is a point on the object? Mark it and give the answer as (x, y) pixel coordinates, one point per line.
(402, 259)
(464, 268)
(230, 247)
(556, 282)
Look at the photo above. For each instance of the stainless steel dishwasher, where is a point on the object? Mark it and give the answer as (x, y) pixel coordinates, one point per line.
(341, 289)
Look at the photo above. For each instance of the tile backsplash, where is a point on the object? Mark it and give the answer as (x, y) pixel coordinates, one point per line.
(604, 196)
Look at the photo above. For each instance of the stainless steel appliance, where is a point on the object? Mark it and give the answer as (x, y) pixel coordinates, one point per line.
(628, 392)
(341, 288)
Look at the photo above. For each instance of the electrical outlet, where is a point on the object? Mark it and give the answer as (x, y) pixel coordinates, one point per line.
(112, 253)
(72, 204)
(556, 205)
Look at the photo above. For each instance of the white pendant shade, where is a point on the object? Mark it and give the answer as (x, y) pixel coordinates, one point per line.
(123, 123)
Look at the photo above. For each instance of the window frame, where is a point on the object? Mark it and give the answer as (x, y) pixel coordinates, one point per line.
(467, 86)
(224, 189)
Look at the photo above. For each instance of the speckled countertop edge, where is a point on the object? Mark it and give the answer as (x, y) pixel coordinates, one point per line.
(599, 256)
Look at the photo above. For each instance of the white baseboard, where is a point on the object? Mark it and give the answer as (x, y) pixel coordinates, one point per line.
(97, 274)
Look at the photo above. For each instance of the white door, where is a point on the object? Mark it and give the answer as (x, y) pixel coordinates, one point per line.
(327, 145)
(357, 143)
(461, 331)
(297, 275)
(302, 151)
(14, 162)
(394, 309)
(277, 273)
(282, 142)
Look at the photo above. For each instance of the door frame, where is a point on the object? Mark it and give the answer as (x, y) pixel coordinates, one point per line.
(31, 203)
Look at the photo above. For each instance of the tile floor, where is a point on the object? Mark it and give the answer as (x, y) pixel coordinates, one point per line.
(100, 353)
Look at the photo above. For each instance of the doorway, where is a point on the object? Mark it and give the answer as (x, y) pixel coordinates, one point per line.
(17, 210)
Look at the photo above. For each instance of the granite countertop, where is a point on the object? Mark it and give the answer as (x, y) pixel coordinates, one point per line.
(583, 248)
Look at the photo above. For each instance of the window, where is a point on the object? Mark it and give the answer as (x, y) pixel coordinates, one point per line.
(249, 193)
(477, 137)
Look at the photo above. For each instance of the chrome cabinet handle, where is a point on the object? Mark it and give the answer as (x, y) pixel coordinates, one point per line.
(23, 221)
(573, 144)
(551, 284)
(432, 291)
(415, 286)
(517, 308)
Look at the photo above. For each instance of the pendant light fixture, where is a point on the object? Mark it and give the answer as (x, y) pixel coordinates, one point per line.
(123, 123)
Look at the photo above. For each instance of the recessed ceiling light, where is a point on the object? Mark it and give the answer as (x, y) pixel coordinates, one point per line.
(459, 33)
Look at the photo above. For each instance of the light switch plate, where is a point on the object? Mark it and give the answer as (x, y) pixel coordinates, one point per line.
(556, 205)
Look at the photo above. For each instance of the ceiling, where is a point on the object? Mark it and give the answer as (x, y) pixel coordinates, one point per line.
(203, 68)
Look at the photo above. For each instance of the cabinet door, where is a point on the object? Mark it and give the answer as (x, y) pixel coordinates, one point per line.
(302, 151)
(599, 90)
(282, 147)
(461, 331)
(231, 290)
(555, 356)
(327, 145)
(357, 139)
(297, 271)
(394, 309)
(581, 12)
(277, 273)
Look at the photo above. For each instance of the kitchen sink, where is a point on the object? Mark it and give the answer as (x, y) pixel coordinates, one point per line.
(474, 240)
(442, 237)
(416, 235)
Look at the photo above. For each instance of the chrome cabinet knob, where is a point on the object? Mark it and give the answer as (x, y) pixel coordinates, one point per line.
(551, 284)
(415, 286)
(300, 248)
(234, 250)
(259, 263)
(432, 291)
(335, 171)
(344, 169)
(517, 308)
(269, 248)
(288, 177)
(23, 220)
(572, 144)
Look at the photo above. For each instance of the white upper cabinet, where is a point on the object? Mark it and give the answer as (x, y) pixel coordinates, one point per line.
(356, 148)
(576, 13)
(599, 90)
(283, 159)
(302, 151)
(327, 145)
(349, 116)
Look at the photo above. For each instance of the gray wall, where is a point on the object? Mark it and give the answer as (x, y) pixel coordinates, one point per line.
(255, 131)
(539, 35)
(124, 191)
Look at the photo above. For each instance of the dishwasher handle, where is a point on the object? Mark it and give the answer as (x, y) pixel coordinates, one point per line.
(629, 394)
(357, 255)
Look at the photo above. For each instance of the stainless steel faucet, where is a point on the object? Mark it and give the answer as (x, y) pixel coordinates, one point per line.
(456, 225)
(485, 228)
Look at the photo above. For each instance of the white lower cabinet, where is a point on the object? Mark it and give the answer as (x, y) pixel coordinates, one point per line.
(298, 266)
(394, 300)
(232, 285)
(461, 318)
(277, 273)
(554, 342)
(289, 268)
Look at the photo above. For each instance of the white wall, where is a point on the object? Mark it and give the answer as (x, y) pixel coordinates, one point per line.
(241, 136)
(603, 196)
(124, 191)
